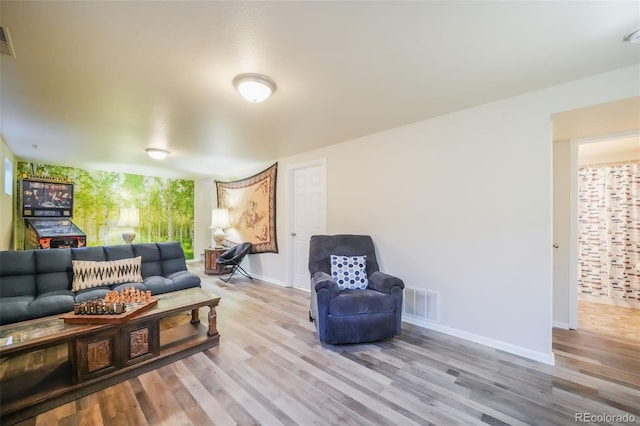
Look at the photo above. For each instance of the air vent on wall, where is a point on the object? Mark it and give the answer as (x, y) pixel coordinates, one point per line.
(6, 48)
(420, 304)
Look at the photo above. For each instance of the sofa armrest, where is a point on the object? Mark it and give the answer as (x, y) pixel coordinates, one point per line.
(384, 283)
(323, 289)
(394, 286)
(321, 280)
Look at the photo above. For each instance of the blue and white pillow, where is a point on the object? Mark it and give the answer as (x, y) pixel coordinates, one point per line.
(350, 272)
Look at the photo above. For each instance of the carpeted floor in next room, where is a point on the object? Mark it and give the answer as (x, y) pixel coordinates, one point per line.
(270, 369)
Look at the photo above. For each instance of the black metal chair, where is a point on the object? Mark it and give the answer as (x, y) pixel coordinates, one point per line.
(229, 261)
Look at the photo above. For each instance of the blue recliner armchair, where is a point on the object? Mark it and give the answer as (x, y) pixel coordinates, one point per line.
(352, 315)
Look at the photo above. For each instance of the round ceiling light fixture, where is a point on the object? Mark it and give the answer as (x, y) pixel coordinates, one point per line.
(254, 87)
(157, 153)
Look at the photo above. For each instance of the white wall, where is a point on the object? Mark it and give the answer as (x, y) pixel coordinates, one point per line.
(204, 201)
(460, 204)
(6, 201)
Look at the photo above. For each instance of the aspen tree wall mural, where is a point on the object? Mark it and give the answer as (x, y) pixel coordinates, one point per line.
(165, 205)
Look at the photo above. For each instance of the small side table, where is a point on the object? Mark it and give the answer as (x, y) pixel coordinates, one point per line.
(210, 257)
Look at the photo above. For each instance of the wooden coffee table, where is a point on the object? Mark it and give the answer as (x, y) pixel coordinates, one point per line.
(78, 359)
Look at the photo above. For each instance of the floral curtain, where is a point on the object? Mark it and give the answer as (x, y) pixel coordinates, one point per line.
(609, 231)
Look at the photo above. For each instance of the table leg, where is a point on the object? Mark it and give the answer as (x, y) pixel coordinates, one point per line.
(195, 316)
(213, 326)
(73, 358)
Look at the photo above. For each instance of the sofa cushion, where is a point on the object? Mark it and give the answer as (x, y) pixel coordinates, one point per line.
(322, 246)
(88, 274)
(360, 328)
(52, 303)
(172, 258)
(184, 279)
(350, 272)
(171, 266)
(355, 302)
(158, 284)
(119, 252)
(54, 272)
(14, 309)
(17, 273)
(97, 254)
(150, 253)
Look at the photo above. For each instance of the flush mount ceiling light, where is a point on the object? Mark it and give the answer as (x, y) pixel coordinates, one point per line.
(634, 37)
(254, 87)
(157, 153)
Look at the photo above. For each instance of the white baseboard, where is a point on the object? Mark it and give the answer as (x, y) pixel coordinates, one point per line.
(277, 282)
(269, 280)
(561, 324)
(492, 343)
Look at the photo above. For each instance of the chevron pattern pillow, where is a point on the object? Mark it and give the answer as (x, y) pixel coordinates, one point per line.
(89, 274)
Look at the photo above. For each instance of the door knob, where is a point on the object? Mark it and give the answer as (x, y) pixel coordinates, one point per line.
(293, 234)
(555, 246)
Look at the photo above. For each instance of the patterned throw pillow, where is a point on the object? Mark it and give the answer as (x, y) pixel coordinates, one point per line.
(89, 274)
(350, 272)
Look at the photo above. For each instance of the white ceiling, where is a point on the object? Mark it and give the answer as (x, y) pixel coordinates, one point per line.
(95, 83)
(610, 151)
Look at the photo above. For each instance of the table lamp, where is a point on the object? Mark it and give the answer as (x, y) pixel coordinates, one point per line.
(219, 222)
(129, 218)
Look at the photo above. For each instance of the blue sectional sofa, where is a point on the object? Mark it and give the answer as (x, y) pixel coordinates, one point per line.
(38, 283)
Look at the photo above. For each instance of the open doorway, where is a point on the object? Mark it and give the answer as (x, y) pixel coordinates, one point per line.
(608, 235)
(571, 129)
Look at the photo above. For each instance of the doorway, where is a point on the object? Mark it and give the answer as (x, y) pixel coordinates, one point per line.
(608, 283)
(307, 187)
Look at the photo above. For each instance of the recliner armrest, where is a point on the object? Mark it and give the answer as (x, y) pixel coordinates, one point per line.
(383, 283)
(321, 280)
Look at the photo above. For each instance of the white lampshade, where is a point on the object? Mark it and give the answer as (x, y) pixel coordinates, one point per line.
(129, 217)
(219, 219)
(254, 87)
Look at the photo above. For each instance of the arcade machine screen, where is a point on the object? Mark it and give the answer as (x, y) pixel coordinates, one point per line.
(47, 208)
(46, 199)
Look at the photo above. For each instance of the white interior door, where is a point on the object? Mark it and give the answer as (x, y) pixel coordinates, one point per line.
(308, 196)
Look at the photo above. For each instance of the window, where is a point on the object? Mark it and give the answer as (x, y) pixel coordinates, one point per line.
(8, 176)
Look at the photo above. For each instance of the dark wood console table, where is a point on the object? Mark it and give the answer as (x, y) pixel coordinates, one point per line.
(210, 257)
(80, 359)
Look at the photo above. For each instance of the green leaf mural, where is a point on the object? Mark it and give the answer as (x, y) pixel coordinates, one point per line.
(165, 205)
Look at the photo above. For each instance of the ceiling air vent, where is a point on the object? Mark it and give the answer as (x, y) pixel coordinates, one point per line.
(6, 48)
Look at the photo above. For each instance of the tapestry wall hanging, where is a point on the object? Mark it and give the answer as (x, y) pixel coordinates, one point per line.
(252, 210)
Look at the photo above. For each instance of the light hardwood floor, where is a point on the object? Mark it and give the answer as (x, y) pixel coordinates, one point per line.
(270, 369)
(609, 319)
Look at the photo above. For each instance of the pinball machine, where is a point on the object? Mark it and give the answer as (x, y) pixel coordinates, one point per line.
(47, 209)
